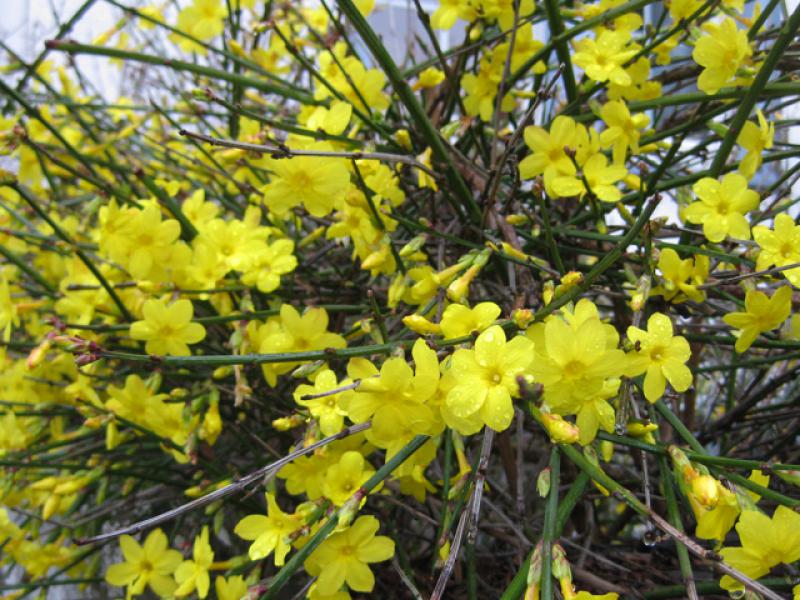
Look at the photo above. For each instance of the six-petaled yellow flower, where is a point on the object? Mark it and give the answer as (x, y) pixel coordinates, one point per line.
(168, 329)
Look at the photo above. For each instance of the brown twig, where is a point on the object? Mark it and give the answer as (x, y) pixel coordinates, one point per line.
(284, 151)
(231, 488)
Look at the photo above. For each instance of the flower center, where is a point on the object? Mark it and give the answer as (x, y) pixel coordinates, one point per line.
(574, 368)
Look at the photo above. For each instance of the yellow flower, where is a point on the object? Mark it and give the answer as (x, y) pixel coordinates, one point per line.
(598, 174)
(481, 89)
(430, 77)
(486, 377)
(755, 139)
(680, 278)
(576, 355)
(345, 556)
(148, 243)
(766, 542)
(263, 264)
(458, 320)
(622, 129)
(602, 58)
(269, 532)
(640, 88)
(344, 478)
(548, 157)
(721, 52)
(333, 120)
(660, 355)
(722, 206)
(325, 408)
(681, 10)
(192, 574)
(394, 398)
(318, 183)
(761, 314)
(292, 332)
(231, 588)
(450, 11)
(779, 247)
(197, 210)
(151, 564)
(167, 329)
(204, 20)
(365, 7)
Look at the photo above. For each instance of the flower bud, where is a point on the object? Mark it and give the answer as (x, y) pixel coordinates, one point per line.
(522, 317)
(403, 137)
(459, 289)
(560, 430)
(38, 354)
(287, 423)
(543, 482)
(548, 291)
(706, 490)
(421, 325)
(561, 569)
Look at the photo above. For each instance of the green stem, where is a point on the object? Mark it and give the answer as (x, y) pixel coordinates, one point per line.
(550, 518)
(674, 516)
(418, 115)
(552, 7)
(179, 65)
(23, 266)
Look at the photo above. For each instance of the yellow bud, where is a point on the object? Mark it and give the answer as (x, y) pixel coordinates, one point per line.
(38, 354)
(412, 247)
(312, 237)
(560, 430)
(637, 301)
(606, 450)
(444, 551)
(287, 423)
(548, 291)
(222, 372)
(522, 317)
(706, 490)
(48, 483)
(403, 138)
(516, 219)
(446, 275)
(639, 429)
(112, 436)
(421, 325)
(459, 289)
(572, 278)
(94, 422)
(511, 251)
(194, 491)
(70, 487)
(236, 48)
(50, 506)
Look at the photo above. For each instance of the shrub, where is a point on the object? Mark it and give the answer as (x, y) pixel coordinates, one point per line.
(299, 317)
